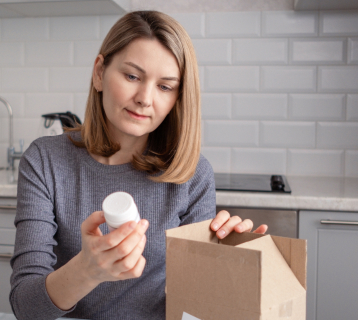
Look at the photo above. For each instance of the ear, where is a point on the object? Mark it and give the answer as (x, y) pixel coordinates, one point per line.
(97, 76)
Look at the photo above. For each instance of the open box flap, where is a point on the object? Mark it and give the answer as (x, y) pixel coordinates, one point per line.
(199, 231)
(279, 283)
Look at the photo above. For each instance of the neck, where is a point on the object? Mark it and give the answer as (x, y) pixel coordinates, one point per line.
(129, 147)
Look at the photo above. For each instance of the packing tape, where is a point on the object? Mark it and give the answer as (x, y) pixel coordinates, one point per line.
(285, 309)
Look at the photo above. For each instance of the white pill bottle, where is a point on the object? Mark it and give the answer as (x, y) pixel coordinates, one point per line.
(118, 208)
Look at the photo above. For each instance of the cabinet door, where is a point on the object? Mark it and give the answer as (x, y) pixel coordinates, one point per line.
(332, 264)
(7, 240)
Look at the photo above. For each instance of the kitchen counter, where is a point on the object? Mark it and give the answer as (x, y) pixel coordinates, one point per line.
(313, 193)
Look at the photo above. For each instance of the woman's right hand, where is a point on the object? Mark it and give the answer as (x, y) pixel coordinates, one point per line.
(114, 256)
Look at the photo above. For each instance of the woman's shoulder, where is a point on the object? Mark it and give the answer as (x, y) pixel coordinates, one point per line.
(203, 171)
(51, 145)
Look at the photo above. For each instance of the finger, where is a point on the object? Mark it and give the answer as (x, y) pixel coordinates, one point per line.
(228, 227)
(127, 245)
(244, 226)
(130, 261)
(114, 238)
(222, 217)
(136, 272)
(91, 224)
(261, 229)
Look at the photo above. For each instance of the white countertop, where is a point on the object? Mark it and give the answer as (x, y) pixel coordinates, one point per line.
(312, 193)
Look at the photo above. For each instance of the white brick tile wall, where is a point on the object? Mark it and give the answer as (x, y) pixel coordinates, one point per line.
(317, 107)
(31, 129)
(289, 23)
(271, 81)
(338, 79)
(3, 152)
(337, 135)
(288, 79)
(193, 23)
(353, 50)
(85, 52)
(17, 103)
(79, 104)
(213, 51)
(25, 29)
(351, 164)
(352, 107)
(202, 77)
(40, 103)
(219, 158)
(105, 24)
(233, 24)
(231, 133)
(42, 54)
(339, 23)
(281, 134)
(232, 79)
(4, 131)
(318, 51)
(216, 106)
(24, 79)
(315, 162)
(74, 28)
(258, 161)
(259, 106)
(12, 54)
(75, 79)
(260, 51)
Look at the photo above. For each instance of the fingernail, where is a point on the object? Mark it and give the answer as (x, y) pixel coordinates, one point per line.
(239, 229)
(215, 226)
(144, 223)
(221, 233)
(132, 225)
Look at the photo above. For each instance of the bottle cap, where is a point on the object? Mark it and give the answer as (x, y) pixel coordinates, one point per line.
(119, 207)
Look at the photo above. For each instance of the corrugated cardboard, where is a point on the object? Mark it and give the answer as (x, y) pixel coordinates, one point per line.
(244, 276)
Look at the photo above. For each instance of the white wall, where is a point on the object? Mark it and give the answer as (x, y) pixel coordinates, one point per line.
(280, 88)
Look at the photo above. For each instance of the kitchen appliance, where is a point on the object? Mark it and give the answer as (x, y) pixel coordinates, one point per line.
(55, 122)
(251, 182)
(282, 223)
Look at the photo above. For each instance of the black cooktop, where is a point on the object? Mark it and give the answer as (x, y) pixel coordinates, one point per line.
(251, 182)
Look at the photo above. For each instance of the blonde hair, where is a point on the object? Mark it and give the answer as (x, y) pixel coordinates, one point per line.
(173, 149)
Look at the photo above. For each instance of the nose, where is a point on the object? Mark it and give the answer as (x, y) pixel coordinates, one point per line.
(144, 95)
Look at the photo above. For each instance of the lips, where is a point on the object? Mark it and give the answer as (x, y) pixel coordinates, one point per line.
(136, 115)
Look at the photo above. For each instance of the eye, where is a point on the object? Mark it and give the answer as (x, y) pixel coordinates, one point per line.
(165, 88)
(131, 77)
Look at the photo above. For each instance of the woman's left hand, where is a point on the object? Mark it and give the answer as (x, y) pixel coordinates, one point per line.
(223, 224)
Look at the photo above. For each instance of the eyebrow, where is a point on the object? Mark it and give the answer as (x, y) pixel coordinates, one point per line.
(143, 71)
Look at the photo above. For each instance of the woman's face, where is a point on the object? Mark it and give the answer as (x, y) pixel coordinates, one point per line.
(140, 87)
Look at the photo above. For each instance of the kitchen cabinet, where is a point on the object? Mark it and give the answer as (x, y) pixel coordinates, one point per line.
(281, 223)
(7, 241)
(332, 264)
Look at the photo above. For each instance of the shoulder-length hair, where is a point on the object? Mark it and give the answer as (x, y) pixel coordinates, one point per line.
(173, 149)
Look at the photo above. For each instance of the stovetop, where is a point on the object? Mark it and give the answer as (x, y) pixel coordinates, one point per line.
(251, 182)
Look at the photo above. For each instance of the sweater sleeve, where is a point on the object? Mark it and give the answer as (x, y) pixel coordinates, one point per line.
(201, 194)
(35, 225)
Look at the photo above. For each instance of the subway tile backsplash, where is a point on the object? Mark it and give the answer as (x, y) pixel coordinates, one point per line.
(279, 88)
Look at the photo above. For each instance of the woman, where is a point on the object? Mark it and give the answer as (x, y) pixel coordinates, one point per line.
(141, 135)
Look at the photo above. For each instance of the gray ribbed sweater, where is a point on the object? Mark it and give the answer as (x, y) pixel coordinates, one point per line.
(59, 186)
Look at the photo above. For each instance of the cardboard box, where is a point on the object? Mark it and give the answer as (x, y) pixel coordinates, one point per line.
(244, 276)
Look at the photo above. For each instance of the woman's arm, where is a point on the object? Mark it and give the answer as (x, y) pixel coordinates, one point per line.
(37, 291)
(112, 257)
